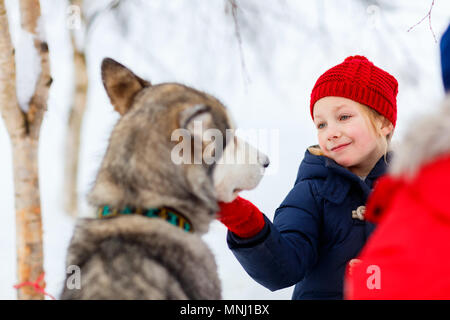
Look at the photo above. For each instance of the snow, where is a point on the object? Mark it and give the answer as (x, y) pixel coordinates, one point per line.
(28, 68)
(285, 46)
(28, 61)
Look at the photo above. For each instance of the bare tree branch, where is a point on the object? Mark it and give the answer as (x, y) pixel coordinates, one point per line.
(13, 116)
(429, 21)
(72, 144)
(30, 14)
(234, 13)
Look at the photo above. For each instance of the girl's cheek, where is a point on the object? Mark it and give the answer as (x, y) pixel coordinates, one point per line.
(321, 142)
(323, 147)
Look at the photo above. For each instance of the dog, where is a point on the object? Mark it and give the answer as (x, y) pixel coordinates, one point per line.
(154, 204)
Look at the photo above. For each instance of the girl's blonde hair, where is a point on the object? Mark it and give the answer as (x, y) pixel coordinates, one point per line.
(373, 117)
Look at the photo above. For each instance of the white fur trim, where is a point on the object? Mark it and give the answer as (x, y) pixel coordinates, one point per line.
(427, 139)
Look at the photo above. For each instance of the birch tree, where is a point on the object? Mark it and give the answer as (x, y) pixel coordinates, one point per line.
(80, 27)
(77, 26)
(23, 123)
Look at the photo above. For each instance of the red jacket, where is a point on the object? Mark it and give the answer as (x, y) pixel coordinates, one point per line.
(408, 254)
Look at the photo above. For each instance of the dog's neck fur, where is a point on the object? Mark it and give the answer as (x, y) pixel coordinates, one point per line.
(106, 192)
(168, 214)
(183, 254)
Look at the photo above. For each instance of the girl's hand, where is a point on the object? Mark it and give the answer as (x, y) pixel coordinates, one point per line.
(241, 217)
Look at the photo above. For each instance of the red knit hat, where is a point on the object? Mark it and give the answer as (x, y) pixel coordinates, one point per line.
(360, 80)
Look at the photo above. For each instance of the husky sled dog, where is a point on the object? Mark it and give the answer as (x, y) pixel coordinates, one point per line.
(146, 242)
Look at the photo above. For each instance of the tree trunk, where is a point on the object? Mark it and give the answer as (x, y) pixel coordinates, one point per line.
(23, 128)
(74, 125)
(29, 243)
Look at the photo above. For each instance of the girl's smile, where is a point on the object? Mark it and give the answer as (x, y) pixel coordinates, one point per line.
(340, 147)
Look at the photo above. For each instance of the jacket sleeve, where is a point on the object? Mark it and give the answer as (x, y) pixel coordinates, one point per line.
(284, 251)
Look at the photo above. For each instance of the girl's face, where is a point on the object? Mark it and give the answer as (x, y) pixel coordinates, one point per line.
(346, 136)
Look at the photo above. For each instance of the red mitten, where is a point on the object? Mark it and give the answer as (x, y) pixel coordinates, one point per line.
(241, 217)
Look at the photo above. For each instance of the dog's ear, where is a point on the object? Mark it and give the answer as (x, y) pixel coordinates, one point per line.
(121, 84)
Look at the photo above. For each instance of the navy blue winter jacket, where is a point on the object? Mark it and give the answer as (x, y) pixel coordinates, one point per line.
(313, 235)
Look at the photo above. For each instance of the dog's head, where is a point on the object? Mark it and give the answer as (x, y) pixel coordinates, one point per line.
(172, 146)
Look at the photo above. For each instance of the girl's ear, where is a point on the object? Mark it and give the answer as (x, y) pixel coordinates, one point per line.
(386, 127)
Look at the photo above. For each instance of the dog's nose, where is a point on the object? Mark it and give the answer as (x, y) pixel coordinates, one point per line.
(266, 162)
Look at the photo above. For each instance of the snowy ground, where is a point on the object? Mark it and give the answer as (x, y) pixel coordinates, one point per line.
(285, 47)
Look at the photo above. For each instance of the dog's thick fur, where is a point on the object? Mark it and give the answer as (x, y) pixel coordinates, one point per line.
(135, 257)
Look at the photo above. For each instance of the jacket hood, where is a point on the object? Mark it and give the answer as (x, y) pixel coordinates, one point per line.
(426, 140)
(316, 165)
(337, 179)
(313, 165)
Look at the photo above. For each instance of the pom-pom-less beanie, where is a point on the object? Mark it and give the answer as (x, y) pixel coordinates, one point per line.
(360, 80)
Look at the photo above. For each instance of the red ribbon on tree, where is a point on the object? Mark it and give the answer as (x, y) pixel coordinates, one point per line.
(36, 285)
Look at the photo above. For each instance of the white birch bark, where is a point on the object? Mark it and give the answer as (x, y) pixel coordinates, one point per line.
(23, 128)
(75, 119)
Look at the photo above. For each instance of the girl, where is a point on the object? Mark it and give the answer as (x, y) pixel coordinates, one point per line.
(320, 227)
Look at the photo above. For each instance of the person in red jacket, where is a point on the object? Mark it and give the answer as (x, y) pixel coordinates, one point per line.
(408, 254)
